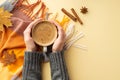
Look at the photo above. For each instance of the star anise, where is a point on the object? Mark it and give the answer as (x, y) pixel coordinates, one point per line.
(8, 58)
(84, 10)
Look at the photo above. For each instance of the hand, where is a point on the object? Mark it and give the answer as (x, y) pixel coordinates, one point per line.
(59, 42)
(30, 45)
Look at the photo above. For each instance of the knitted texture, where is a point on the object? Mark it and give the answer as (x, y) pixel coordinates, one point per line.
(58, 67)
(32, 71)
(32, 66)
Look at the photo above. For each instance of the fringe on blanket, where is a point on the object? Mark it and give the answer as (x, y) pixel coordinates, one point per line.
(32, 11)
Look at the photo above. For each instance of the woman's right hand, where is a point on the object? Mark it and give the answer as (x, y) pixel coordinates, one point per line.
(59, 42)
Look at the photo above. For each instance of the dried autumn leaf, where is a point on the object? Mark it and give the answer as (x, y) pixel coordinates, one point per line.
(4, 19)
(8, 58)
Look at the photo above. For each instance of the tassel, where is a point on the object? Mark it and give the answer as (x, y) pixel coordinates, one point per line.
(71, 38)
(28, 8)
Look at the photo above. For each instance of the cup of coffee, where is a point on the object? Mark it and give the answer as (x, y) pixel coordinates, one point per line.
(44, 33)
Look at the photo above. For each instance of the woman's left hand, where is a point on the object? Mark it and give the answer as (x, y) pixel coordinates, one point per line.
(30, 45)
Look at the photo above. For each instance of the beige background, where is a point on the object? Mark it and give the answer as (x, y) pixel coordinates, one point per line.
(101, 28)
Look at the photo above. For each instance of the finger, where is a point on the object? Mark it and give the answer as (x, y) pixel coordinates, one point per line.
(57, 25)
(33, 24)
(61, 33)
(28, 29)
(54, 22)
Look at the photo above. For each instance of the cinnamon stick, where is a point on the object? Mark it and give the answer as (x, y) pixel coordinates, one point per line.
(69, 15)
(76, 15)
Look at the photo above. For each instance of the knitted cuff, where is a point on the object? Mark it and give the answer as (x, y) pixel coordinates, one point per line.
(32, 66)
(58, 67)
(56, 59)
(32, 60)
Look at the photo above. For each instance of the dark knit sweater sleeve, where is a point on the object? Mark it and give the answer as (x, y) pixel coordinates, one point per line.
(58, 67)
(31, 66)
